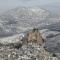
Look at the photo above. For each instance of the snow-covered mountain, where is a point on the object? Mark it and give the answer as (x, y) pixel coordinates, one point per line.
(22, 19)
(16, 22)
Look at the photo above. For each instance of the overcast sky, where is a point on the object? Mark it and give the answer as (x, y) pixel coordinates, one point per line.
(9, 4)
(26, 2)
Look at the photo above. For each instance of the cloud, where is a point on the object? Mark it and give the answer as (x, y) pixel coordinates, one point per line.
(38, 2)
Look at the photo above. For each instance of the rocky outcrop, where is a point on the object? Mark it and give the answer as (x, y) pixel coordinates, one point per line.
(28, 48)
(27, 52)
(35, 36)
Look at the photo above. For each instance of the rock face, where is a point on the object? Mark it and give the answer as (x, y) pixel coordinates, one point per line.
(35, 36)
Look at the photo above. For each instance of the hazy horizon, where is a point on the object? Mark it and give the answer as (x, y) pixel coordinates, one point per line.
(10, 4)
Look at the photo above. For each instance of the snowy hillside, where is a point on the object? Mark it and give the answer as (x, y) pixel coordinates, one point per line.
(21, 19)
(16, 22)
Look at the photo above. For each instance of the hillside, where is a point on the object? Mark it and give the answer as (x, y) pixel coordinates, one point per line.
(16, 23)
(22, 19)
